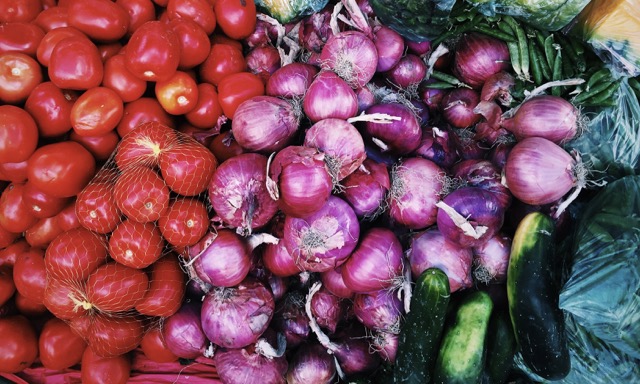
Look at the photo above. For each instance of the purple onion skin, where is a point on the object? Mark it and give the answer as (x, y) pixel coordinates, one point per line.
(457, 107)
(408, 72)
(351, 54)
(291, 320)
(236, 317)
(386, 344)
(315, 30)
(183, 332)
(477, 57)
(366, 188)
(432, 97)
(333, 282)
(245, 366)
(328, 309)
(379, 311)
(419, 48)
(366, 98)
(390, 47)
(400, 136)
(491, 260)
(430, 249)
(263, 61)
(329, 96)
(311, 364)
(222, 259)
(355, 353)
(291, 80)
(499, 154)
(483, 174)
(438, 146)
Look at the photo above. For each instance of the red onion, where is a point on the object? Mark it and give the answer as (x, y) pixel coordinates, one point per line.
(315, 30)
(498, 87)
(263, 60)
(408, 72)
(291, 80)
(366, 189)
(416, 185)
(432, 97)
(341, 143)
(458, 107)
(236, 317)
(324, 239)
(332, 280)
(183, 332)
(438, 146)
(489, 129)
(263, 34)
(400, 136)
(355, 353)
(430, 249)
(376, 263)
(490, 260)
(311, 364)
(366, 98)
(265, 124)
(419, 48)
(547, 116)
(469, 216)
(329, 96)
(483, 174)
(499, 153)
(386, 344)
(275, 257)
(300, 180)
(290, 319)
(328, 309)
(352, 55)
(467, 146)
(238, 193)
(389, 45)
(379, 310)
(221, 259)
(479, 56)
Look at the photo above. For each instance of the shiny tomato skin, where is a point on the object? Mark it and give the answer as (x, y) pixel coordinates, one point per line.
(108, 50)
(154, 347)
(53, 37)
(144, 144)
(140, 11)
(6, 240)
(207, 110)
(9, 254)
(18, 134)
(75, 63)
(96, 209)
(114, 287)
(19, 10)
(96, 112)
(40, 203)
(236, 88)
(50, 107)
(118, 78)
(15, 216)
(7, 286)
(51, 18)
(194, 42)
(30, 308)
(19, 347)
(59, 346)
(42, 233)
(19, 75)
(101, 20)
(20, 37)
(101, 147)
(143, 110)
(223, 60)
(114, 336)
(153, 52)
(141, 194)
(95, 369)
(75, 254)
(166, 289)
(199, 11)
(136, 245)
(236, 18)
(62, 169)
(178, 94)
(187, 168)
(224, 147)
(67, 218)
(29, 274)
(61, 298)
(14, 172)
(185, 222)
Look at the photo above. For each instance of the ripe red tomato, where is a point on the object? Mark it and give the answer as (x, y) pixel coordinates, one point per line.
(9, 254)
(185, 222)
(136, 245)
(75, 63)
(96, 112)
(6, 239)
(59, 346)
(96, 209)
(101, 20)
(140, 11)
(19, 75)
(144, 144)
(224, 146)
(30, 308)
(29, 274)
(20, 37)
(7, 286)
(15, 216)
(111, 336)
(50, 107)
(14, 172)
(101, 147)
(199, 11)
(143, 110)
(51, 18)
(104, 370)
(153, 52)
(67, 218)
(19, 10)
(114, 287)
(178, 94)
(62, 169)
(236, 88)
(141, 194)
(207, 110)
(236, 18)
(75, 254)
(19, 347)
(166, 289)
(121, 80)
(53, 37)
(42, 233)
(223, 60)
(187, 168)
(194, 42)
(154, 347)
(18, 134)
(108, 50)
(41, 204)
(66, 299)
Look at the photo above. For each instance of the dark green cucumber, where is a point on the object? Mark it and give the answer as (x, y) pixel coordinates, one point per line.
(462, 351)
(501, 348)
(533, 293)
(421, 330)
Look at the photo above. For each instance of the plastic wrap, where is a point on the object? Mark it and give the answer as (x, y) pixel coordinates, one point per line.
(287, 11)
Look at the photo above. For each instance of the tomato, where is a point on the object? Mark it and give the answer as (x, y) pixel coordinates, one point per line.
(14, 172)
(224, 146)
(29, 274)
(108, 50)
(18, 134)
(19, 75)
(154, 347)
(113, 336)
(142, 110)
(178, 94)
(40, 203)
(104, 370)
(15, 216)
(10, 253)
(144, 144)
(96, 112)
(101, 20)
(236, 18)
(141, 194)
(60, 347)
(53, 37)
(81, 325)
(33, 309)
(136, 245)
(19, 347)
(42, 233)
(6, 239)
(153, 52)
(50, 107)
(96, 209)
(75, 254)
(194, 42)
(166, 289)
(199, 11)
(7, 286)
(19, 10)
(62, 169)
(67, 218)
(51, 18)
(185, 222)
(114, 287)
(223, 60)
(140, 11)
(65, 298)
(121, 80)
(207, 110)
(101, 147)
(236, 88)
(75, 63)
(20, 37)
(187, 168)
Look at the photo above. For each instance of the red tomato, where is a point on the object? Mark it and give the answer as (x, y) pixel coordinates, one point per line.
(153, 52)
(101, 20)
(222, 39)
(19, 75)
(96, 112)
(19, 10)
(154, 347)
(104, 370)
(236, 18)
(60, 347)
(81, 325)
(114, 287)
(29, 274)
(10, 253)
(65, 299)
(136, 245)
(51, 18)
(199, 11)
(236, 88)
(207, 110)
(75, 63)
(50, 107)
(112, 336)
(62, 169)
(140, 11)
(166, 289)
(194, 42)
(7, 286)
(96, 209)
(108, 50)
(142, 110)
(101, 147)
(6, 239)
(223, 60)
(144, 144)
(20, 37)
(53, 37)
(18, 134)
(121, 80)
(42, 233)
(185, 222)
(14, 172)
(19, 347)
(187, 168)
(15, 216)
(40, 203)
(224, 146)
(178, 94)
(75, 254)
(141, 194)
(33, 309)
(67, 218)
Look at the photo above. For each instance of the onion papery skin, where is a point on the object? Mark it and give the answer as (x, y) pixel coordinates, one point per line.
(375, 264)
(222, 259)
(279, 261)
(483, 174)
(491, 259)
(477, 57)
(245, 366)
(329, 96)
(265, 124)
(352, 55)
(332, 280)
(355, 353)
(458, 107)
(416, 186)
(399, 137)
(311, 364)
(324, 239)
(547, 116)
(366, 189)
(291, 80)
(431, 97)
(263, 61)
(290, 319)
(438, 146)
(183, 332)
(389, 46)
(430, 249)
(341, 143)
(328, 309)
(238, 193)
(236, 317)
(379, 310)
(539, 172)
(386, 344)
(408, 72)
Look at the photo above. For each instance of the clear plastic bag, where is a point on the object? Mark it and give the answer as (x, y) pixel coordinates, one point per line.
(287, 11)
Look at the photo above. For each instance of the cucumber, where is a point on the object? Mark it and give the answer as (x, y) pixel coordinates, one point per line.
(501, 348)
(420, 333)
(533, 288)
(462, 351)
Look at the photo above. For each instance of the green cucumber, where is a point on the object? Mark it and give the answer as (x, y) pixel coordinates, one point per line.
(533, 294)
(501, 348)
(420, 333)
(462, 351)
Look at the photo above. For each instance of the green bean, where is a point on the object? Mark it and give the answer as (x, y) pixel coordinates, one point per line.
(536, 67)
(544, 66)
(489, 31)
(598, 76)
(440, 85)
(523, 49)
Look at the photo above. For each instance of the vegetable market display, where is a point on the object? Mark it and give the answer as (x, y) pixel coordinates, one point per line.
(317, 191)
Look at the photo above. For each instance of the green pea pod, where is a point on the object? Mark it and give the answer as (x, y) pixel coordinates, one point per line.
(544, 66)
(489, 31)
(556, 75)
(550, 51)
(536, 66)
(523, 50)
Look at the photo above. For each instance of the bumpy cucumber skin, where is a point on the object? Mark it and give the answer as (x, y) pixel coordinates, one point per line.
(462, 351)
(533, 294)
(420, 333)
(501, 348)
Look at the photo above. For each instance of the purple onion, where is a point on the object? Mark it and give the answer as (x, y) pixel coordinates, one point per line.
(291, 80)
(290, 319)
(183, 331)
(366, 98)
(311, 364)
(479, 56)
(263, 34)
(389, 45)
(352, 55)
(386, 344)
(400, 136)
(498, 87)
(483, 174)
(315, 30)
(354, 351)
(437, 145)
(332, 280)
(328, 309)
(263, 60)
(329, 96)
(499, 154)
(419, 48)
(366, 188)
(408, 72)
(379, 310)
(221, 258)
(491, 260)
(458, 107)
(432, 97)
